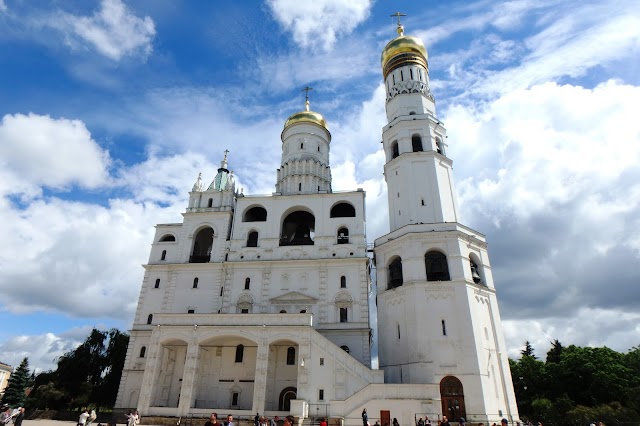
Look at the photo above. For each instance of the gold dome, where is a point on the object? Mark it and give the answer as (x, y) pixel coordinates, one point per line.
(306, 117)
(411, 48)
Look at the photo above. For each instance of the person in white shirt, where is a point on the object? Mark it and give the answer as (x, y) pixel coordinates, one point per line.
(82, 421)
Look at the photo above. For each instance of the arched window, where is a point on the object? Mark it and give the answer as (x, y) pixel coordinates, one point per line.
(437, 266)
(284, 402)
(202, 246)
(163, 256)
(298, 229)
(343, 210)
(143, 351)
(157, 283)
(416, 143)
(395, 274)
(303, 311)
(282, 311)
(195, 282)
(343, 235)
(247, 283)
(210, 203)
(345, 348)
(291, 356)
(239, 353)
(150, 319)
(167, 238)
(394, 150)
(343, 282)
(255, 214)
(252, 239)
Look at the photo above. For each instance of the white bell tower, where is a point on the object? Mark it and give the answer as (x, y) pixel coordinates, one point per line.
(438, 318)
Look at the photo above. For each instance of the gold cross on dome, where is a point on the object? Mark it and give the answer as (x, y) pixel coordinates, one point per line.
(400, 28)
(306, 95)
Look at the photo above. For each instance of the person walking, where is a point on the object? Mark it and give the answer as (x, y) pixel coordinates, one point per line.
(19, 418)
(213, 420)
(365, 418)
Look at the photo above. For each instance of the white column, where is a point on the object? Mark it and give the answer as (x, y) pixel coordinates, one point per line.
(151, 371)
(260, 384)
(189, 375)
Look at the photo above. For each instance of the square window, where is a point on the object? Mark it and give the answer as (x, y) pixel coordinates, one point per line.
(321, 361)
(321, 394)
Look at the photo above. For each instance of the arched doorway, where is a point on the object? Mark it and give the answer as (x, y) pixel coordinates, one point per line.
(287, 394)
(452, 396)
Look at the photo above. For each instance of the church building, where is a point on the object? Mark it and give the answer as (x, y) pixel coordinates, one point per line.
(260, 304)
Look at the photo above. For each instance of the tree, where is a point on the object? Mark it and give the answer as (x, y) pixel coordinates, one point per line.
(528, 350)
(14, 394)
(554, 354)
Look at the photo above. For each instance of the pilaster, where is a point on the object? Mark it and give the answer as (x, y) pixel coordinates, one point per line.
(151, 371)
(187, 397)
(260, 383)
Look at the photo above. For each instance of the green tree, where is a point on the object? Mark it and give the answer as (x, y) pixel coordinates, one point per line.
(14, 394)
(528, 350)
(554, 354)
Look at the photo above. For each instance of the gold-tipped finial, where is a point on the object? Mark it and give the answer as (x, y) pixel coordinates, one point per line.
(306, 97)
(400, 28)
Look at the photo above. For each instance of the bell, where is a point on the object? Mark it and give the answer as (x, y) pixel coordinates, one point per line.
(474, 274)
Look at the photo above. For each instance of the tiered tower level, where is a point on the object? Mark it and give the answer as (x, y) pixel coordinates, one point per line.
(438, 319)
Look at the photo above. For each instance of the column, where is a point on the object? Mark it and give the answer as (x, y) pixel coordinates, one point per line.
(189, 375)
(260, 384)
(151, 371)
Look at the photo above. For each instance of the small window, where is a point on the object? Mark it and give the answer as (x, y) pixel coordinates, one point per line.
(398, 331)
(345, 348)
(422, 201)
(163, 256)
(440, 146)
(444, 328)
(343, 236)
(191, 311)
(291, 356)
(157, 283)
(321, 361)
(394, 150)
(401, 76)
(234, 399)
(247, 283)
(143, 351)
(195, 282)
(221, 291)
(395, 274)
(303, 311)
(166, 238)
(411, 73)
(299, 187)
(416, 143)
(321, 394)
(252, 239)
(244, 310)
(302, 145)
(282, 311)
(318, 149)
(150, 319)
(343, 314)
(239, 353)
(343, 282)
(210, 203)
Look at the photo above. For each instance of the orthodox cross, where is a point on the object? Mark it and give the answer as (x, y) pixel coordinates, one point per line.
(400, 29)
(306, 95)
(226, 151)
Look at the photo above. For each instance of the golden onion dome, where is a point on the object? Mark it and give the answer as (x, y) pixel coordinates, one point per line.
(410, 48)
(306, 116)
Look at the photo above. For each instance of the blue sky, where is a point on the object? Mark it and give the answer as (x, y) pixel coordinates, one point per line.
(110, 109)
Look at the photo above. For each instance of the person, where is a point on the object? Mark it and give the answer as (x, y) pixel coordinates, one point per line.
(427, 422)
(420, 422)
(504, 422)
(229, 420)
(365, 418)
(19, 418)
(275, 420)
(323, 422)
(82, 420)
(395, 422)
(256, 420)
(445, 421)
(462, 421)
(288, 421)
(92, 417)
(6, 415)
(213, 420)
(377, 423)
(134, 418)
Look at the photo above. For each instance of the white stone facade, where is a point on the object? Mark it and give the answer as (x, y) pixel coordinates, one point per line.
(261, 303)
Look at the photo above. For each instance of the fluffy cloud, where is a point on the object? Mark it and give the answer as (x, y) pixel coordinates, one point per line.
(320, 20)
(39, 151)
(3, 6)
(550, 174)
(113, 30)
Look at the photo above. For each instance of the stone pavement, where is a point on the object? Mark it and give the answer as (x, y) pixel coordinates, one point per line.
(46, 422)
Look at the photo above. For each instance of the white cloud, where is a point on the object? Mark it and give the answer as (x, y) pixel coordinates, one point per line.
(550, 174)
(113, 30)
(3, 6)
(319, 21)
(38, 150)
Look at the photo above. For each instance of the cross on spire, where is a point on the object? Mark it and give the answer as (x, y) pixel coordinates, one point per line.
(306, 96)
(226, 151)
(400, 28)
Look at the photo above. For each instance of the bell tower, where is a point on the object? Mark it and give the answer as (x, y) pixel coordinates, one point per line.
(438, 318)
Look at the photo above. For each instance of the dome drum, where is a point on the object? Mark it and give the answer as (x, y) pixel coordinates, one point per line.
(404, 59)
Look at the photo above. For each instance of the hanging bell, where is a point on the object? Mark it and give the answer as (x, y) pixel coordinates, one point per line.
(474, 274)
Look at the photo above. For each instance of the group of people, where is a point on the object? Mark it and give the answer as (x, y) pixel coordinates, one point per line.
(87, 417)
(258, 420)
(9, 415)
